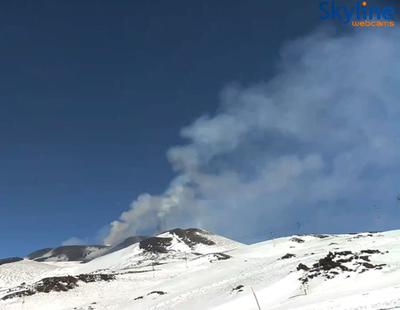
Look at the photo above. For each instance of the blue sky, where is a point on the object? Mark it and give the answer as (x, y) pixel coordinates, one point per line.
(94, 93)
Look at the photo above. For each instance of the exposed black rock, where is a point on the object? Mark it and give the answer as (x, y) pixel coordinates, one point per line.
(358, 236)
(328, 262)
(97, 277)
(192, 236)
(58, 284)
(238, 288)
(288, 255)
(10, 260)
(368, 266)
(156, 244)
(343, 253)
(371, 252)
(364, 257)
(296, 239)
(152, 293)
(333, 264)
(157, 292)
(303, 267)
(321, 236)
(219, 256)
(19, 294)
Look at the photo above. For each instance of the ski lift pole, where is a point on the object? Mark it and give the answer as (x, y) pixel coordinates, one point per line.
(255, 297)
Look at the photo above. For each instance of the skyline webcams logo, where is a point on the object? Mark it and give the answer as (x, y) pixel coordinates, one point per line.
(359, 14)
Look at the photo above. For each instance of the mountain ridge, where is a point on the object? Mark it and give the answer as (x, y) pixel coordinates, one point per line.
(179, 270)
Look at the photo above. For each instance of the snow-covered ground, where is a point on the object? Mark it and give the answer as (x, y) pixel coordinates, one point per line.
(360, 271)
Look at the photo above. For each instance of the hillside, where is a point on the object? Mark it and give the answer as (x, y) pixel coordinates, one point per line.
(194, 269)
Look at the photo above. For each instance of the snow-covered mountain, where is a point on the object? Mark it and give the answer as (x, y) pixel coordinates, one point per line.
(194, 269)
(176, 245)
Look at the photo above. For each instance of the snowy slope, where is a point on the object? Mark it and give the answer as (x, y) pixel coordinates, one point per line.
(360, 271)
(23, 271)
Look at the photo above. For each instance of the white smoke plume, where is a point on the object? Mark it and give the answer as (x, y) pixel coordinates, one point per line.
(318, 145)
(74, 241)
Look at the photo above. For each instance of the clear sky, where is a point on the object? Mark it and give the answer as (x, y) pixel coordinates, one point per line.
(94, 93)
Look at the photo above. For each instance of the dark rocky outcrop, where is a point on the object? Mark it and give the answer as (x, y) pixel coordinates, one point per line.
(334, 263)
(156, 244)
(58, 284)
(320, 236)
(238, 288)
(157, 293)
(17, 294)
(151, 293)
(303, 267)
(219, 256)
(96, 277)
(371, 252)
(288, 255)
(192, 236)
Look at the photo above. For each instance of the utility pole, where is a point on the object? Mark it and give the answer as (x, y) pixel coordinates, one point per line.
(305, 288)
(186, 260)
(255, 297)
